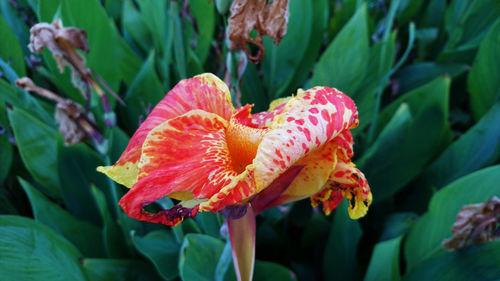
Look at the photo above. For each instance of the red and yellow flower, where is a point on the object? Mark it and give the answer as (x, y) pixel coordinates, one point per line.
(195, 147)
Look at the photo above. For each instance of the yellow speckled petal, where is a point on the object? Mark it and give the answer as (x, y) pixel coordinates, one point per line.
(318, 165)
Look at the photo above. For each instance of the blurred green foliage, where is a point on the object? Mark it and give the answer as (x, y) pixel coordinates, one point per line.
(428, 142)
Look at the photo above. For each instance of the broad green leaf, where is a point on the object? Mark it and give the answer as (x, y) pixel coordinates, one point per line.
(6, 150)
(384, 263)
(467, 22)
(397, 224)
(198, 257)
(424, 239)
(210, 223)
(153, 14)
(483, 82)
(252, 90)
(10, 50)
(143, 94)
(418, 74)
(76, 170)
(343, 64)
(30, 250)
(178, 42)
(380, 63)
(6, 153)
(85, 236)
(204, 14)
(134, 26)
(340, 262)
(37, 144)
(113, 237)
(118, 141)
(268, 271)
(478, 262)
(477, 148)
(406, 145)
(103, 38)
(118, 270)
(161, 248)
(319, 23)
(281, 62)
(225, 264)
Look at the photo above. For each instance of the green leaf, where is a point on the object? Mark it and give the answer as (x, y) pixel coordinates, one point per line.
(418, 74)
(178, 42)
(281, 62)
(424, 239)
(85, 236)
(161, 248)
(134, 26)
(113, 237)
(6, 150)
(77, 171)
(344, 63)
(31, 251)
(467, 22)
(477, 148)
(154, 16)
(268, 271)
(118, 270)
(483, 82)
(384, 263)
(145, 92)
(472, 263)
(419, 134)
(10, 50)
(204, 14)
(37, 144)
(103, 38)
(340, 262)
(21, 99)
(252, 90)
(319, 24)
(210, 223)
(199, 256)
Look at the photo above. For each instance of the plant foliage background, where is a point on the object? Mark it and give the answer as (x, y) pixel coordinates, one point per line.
(424, 74)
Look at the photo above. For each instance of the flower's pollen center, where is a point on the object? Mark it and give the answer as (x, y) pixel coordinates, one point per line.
(242, 142)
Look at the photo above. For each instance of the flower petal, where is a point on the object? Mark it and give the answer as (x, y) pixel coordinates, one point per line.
(310, 120)
(345, 181)
(185, 158)
(205, 92)
(265, 119)
(318, 166)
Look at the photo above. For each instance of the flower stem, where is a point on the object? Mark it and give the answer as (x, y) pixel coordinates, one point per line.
(242, 236)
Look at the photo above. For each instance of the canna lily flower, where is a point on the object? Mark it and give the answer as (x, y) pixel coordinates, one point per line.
(195, 147)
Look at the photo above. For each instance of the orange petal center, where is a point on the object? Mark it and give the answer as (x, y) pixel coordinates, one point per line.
(242, 142)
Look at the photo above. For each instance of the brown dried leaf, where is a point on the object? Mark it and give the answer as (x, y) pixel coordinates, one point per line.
(70, 130)
(475, 224)
(62, 42)
(267, 18)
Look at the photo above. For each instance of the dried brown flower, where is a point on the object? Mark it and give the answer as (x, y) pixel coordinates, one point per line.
(63, 43)
(74, 124)
(475, 224)
(267, 18)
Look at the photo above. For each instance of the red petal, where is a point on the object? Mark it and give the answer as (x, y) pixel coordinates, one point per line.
(187, 157)
(205, 92)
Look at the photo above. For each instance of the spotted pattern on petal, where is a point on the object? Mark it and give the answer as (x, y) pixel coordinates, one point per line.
(308, 121)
